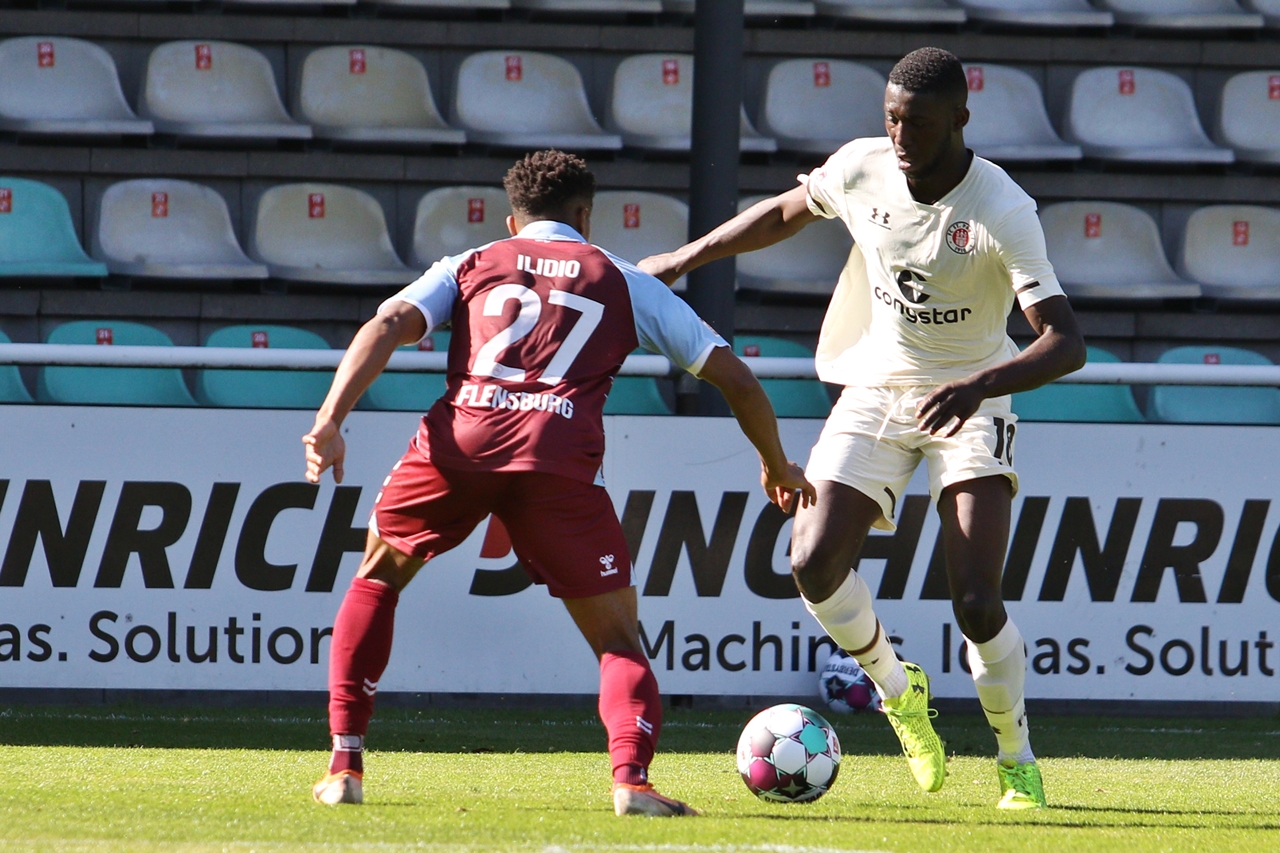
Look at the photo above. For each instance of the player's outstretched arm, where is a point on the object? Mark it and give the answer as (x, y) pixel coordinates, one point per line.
(401, 323)
(763, 224)
(780, 477)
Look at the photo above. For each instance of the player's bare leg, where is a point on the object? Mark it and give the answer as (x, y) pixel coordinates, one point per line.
(825, 542)
(975, 532)
(358, 654)
(629, 702)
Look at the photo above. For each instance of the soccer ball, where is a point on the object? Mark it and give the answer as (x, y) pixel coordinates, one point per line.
(845, 685)
(788, 754)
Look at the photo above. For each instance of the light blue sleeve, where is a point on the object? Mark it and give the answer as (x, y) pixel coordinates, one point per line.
(665, 323)
(434, 292)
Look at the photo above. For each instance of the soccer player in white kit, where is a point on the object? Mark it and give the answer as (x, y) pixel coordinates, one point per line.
(945, 242)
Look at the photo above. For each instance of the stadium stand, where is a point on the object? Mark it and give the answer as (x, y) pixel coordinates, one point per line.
(1037, 13)
(636, 395)
(116, 386)
(1080, 403)
(448, 5)
(791, 398)
(1233, 251)
(12, 389)
(1249, 116)
(215, 89)
(63, 87)
(652, 105)
(616, 7)
(1007, 118)
(753, 8)
(1140, 115)
(37, 237)
(1182, 404)
(817, 105)
(452, 220)
(1183, 14)
(162, 228)
(524, 99)
(409, 392)
(264, 389)
(1109, 251)
(808, 263)
(325, 233)
(634, 225)
(892, 11)
(369, 94)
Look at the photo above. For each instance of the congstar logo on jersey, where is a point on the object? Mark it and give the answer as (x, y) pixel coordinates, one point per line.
(911, 286)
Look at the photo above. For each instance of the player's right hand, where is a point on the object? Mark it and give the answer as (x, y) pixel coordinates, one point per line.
(325, 449)
(781, 487)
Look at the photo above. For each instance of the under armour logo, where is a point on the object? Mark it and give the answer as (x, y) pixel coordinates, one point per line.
(918, 688)
(609, 568)
(996, 730)
(881, 219)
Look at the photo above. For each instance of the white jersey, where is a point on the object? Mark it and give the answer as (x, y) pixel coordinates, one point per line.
(928, 287)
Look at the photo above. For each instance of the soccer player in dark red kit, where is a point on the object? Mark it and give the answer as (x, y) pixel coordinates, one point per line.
(541, 324)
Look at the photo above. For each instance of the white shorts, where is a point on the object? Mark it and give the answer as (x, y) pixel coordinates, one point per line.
(872, 442)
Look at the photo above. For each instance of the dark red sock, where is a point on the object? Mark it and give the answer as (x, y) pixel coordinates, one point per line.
(358, 654)
(632, 713)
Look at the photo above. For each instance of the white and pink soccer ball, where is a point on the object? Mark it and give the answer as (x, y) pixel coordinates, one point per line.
(845, 686)
(788, 754)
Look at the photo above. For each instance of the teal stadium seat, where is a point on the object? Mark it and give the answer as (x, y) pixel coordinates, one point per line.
(1206, 404)
(636, 395)
(791, 398)
(409, 392)
(1109, 404)
(11, 388)
(117, 386)
(36, 234)
(264, 389)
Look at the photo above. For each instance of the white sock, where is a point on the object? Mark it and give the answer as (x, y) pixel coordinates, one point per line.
(848, 618)
(999, 669)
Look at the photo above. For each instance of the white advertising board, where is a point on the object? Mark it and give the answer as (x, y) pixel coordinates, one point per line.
(181, 549)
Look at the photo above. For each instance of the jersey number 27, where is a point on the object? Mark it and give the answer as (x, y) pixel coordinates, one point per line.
(562, 358)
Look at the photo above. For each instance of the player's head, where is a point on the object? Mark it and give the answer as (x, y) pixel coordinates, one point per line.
(924, 108)
(550, 185)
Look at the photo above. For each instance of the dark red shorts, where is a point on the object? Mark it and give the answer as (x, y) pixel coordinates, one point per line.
(564, 532)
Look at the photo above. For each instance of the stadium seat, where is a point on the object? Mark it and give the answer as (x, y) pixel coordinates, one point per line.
(753, 8)
(807, 263)
(452, 220)
(635, 395)
(1106, 250)
(12, 388)
(325, 233)
(1007, 119)
(1080, 403)
(791, 398)
(1210, 404)
(161, 228)
(526, 100)
(817, 105)
(215, 89)
(63, 87)
(116, 386)
(893, 11)
(371, 95)
(634, 225)
(1233, 250)
(1037, 13)
(618, 7)
(409, 392)
(1183, 14)
(1139, 115)
(264, 389)
(653, 105)
(1249, 115)
(37, 237)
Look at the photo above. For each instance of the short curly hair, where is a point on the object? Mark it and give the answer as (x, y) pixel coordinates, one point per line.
(544, 182)
(931, 71)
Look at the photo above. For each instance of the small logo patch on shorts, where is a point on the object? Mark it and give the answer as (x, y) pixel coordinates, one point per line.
(609, 567)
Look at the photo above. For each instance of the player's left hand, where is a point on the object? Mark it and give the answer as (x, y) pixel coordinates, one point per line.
(782, 486)
(325, 448)
(955, 401)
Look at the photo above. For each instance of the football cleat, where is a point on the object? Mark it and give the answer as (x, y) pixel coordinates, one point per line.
(644, 800)
(909, 714)
(345, 786)
(1020, 786)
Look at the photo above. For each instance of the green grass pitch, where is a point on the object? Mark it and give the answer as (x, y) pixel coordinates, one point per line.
(133, 778)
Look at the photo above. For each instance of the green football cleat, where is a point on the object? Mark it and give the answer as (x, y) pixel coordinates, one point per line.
(909, 715)
(1020, 786)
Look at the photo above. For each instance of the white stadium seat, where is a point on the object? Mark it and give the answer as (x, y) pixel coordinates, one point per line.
(634, 225)
(1249, 116)
(753, 8)
(807, 263)
(1105, 250)
(1037, 13)
(452, 220)
(160, 228)
(1007, 119)
(527, 100)
(215, 89)
(361, 93)
(893, 11)
(1139, 115)
(62, 86)
(1183, 14)
(817, 105)
(1233, 250)
(325, 233)
(650, 7)
(653, 105)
